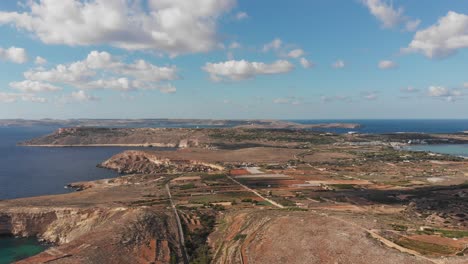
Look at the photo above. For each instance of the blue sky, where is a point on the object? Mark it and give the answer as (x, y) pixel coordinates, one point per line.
(298, 59)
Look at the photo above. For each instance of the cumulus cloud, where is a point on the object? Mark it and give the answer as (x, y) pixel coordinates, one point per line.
(296, 53)
(443, 39)
(465, 85)
(171, 26)
(390, 16)
(273, 45)
(444, 93)
(306, 63)
(338, 64)
(14, 54)
(26, 97)
(242, 16)
(242, 69)
(73, 74)
(101, 70)
(40, 61)
(387, 64)
(29, 86)
(386, 13)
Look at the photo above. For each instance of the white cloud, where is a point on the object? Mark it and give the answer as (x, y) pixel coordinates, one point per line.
(442, 39)
(14, 54)
(306, 63)
(101, 60)
(465, 85)
(82, 96)
(171, 26)
(101, 70)
(40, 61)
(297, 53)
(338, 64)
(409, 89)
(144, 71)
(28, 86)
(390, 16)
(72, 74)
(242, 16)
(386, 13)
(273, 45)
(387, 64)
(242, 69)
(14, 97)
(447, 94)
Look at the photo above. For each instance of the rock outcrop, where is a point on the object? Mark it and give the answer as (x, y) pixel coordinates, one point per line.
(149, 163)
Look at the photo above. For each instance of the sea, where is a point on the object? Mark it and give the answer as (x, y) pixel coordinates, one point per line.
(14, 249)
(382, 126)
(33, 171)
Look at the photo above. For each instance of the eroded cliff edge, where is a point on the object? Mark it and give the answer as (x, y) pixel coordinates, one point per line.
(102, 224)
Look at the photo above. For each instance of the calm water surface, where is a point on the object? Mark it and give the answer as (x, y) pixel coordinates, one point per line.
(33, 171)
(14, 249)
(457, 150)
(398, 125)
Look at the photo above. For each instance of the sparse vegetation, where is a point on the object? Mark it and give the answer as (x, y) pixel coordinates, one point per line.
(196, 243)
(445, 232)
(426, 248)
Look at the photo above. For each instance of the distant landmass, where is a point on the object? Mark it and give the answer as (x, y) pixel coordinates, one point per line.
(273, 124)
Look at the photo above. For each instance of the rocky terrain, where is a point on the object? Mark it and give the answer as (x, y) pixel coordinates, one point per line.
(146, 162)
(98, 225)
(253, 196)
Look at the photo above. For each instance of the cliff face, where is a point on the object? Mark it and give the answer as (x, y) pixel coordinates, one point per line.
(26, 223)
(142, 236)
(146, 162)
(60, 225)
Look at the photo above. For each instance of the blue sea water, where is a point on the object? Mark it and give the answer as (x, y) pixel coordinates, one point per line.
(457, 150)
(395, 125)
(33, 171)
(14, 249)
